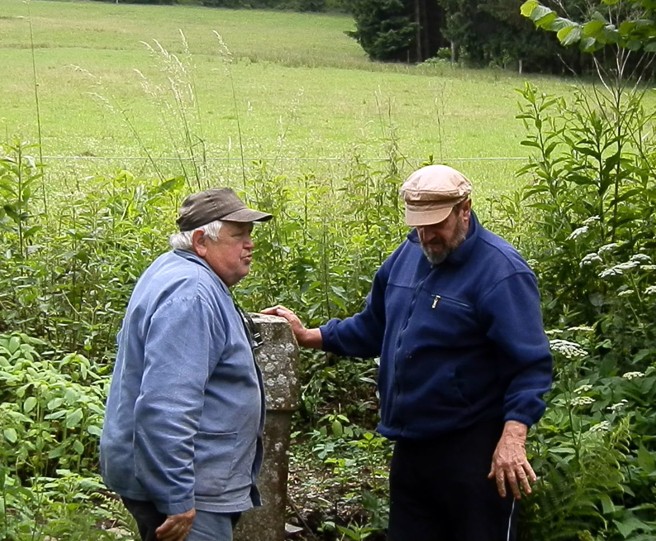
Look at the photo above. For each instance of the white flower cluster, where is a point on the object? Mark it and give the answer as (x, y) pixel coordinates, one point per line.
(651, 290)
(613, 271)
(633, 375)
(642, 259)
(608, 248)
(582, 401)
(581, 328)
(578, 232)
(637, 260)
(592, 220)
(583, 389)
(590, 259)
(619, 406)
(619, 269)
(570, 350)
(603, 426)
(625, 293)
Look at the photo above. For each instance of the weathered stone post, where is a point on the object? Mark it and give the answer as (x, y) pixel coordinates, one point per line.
(278, 360)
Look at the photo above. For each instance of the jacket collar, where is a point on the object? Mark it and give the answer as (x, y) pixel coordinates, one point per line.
(195, 258)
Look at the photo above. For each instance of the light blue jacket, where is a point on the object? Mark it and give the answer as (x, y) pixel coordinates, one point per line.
(185, 412)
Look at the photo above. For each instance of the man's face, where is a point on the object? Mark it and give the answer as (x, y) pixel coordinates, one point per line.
(230, 255)
(439, 240)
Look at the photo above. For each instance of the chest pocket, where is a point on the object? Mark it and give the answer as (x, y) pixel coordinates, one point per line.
(450, 322)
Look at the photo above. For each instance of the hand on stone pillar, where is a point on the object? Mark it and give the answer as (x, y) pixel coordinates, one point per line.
(309, 338)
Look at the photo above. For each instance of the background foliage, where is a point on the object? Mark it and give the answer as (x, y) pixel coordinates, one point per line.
(584, 219)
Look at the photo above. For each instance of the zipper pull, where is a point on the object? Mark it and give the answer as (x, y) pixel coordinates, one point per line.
(436, 299)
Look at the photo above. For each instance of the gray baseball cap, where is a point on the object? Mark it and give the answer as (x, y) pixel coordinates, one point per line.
(216, 204)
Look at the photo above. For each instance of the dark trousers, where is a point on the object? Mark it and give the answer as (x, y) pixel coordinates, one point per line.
(147, 516)
(439, 490)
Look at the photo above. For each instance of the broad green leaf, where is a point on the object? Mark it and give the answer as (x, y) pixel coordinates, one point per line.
(589, 45)
(73, 419)
(10, 435)
(547, 21)
(592, 28)
(32, 231)
(94, 430)
(173, 184)
(610, 35)
(29, 404)
(607, 504)
(626, 27)
(646, 459)
(71, 396)
(14, 344)
(572, 36)
(560, 23)
(527, 7)
(527, 143)
(629, 525)
(540, 12)
(56, 452)
(55, 403)
(633, 45)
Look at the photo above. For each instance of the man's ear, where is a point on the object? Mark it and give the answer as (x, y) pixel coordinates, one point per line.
(199, 242)
(466, 209)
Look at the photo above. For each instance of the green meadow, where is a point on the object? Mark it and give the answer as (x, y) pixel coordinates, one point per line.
(106, 86)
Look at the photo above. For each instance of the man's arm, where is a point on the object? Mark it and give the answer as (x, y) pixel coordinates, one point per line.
(513, 309)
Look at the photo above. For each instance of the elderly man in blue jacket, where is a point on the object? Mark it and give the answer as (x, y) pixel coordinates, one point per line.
(454, 314)
(182, 438)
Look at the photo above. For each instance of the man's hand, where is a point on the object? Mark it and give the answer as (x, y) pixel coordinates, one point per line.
(309, 338)
(176, 527)
(509, 463)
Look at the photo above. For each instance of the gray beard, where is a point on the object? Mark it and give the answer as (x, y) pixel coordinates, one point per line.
(435, 259)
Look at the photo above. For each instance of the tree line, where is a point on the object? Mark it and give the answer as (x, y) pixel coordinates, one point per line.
(480, 34)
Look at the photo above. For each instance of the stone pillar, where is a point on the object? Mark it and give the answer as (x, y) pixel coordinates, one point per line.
(278, 360)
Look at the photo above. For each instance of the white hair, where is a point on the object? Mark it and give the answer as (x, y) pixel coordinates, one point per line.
(183, 239)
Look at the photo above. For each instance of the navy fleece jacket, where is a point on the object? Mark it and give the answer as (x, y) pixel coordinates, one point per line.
(459, 343)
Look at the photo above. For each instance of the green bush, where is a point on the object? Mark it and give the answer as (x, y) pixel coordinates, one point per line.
(589, 204)
(51, 411)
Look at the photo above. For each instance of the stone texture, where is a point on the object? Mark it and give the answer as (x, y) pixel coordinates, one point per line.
(278, 360)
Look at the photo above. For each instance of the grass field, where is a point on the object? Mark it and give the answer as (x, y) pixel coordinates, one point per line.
(288, 88)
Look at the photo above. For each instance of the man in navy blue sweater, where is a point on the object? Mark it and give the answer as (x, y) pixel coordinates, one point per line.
(454, 315)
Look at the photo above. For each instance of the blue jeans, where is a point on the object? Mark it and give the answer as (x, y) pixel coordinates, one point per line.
(206, 526)
(212, 526)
